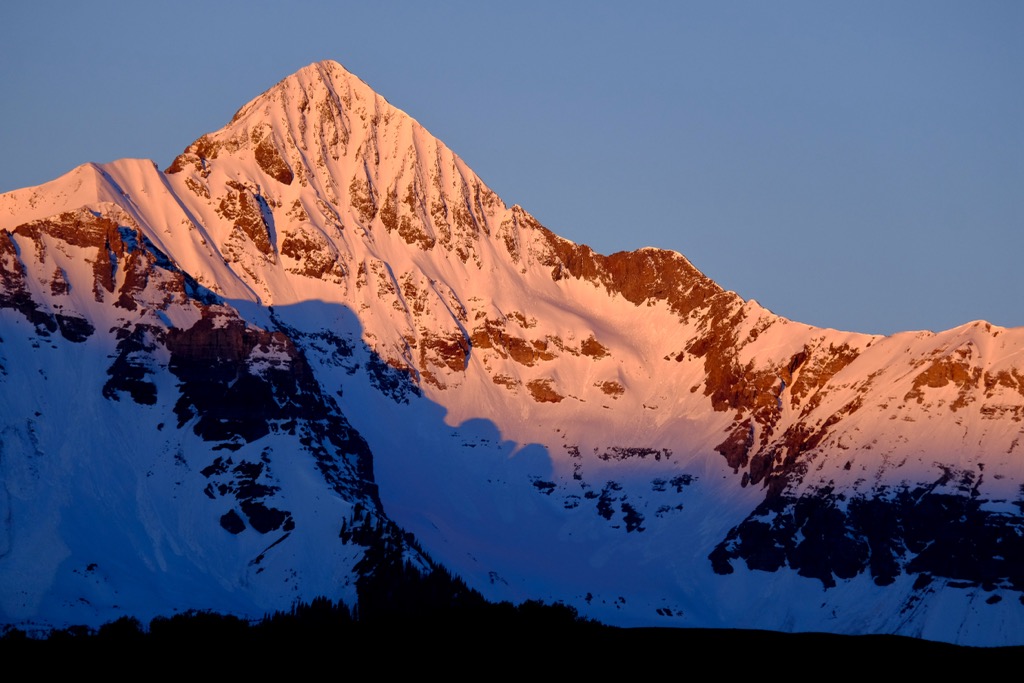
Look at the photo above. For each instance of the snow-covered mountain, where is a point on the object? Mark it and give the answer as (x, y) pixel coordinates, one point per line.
(318, 329)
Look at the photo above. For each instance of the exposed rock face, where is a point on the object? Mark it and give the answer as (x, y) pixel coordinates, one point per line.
(825, 536)
(132, 368)
(247, 211)
(543, 391)
(318, 321)
(15, 293)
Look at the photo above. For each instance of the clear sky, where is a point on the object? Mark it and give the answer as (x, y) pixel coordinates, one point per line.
(857, 165)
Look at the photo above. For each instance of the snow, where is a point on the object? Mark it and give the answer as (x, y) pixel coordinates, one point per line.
(487, 478)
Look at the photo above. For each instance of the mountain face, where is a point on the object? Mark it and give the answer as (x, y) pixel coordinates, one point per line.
(318, 331)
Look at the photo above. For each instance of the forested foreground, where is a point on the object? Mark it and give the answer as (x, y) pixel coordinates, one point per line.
(407, 620)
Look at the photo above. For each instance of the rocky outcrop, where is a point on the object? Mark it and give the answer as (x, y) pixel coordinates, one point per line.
(828, 536)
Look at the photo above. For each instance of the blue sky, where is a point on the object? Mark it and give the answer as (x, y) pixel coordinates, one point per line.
(852, 165)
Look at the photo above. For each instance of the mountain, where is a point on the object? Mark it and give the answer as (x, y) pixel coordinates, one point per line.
(318, 339)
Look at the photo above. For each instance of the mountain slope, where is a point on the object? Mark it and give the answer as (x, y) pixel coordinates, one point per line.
(319, 316)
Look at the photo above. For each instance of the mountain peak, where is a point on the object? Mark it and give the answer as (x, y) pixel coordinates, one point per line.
(324, 326)
(321, 104)
(312, 81)
(323, 128)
